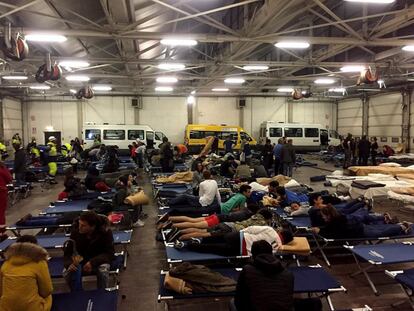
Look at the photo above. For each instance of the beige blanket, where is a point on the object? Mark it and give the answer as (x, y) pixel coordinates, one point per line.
(281, 179)
(177, 178)
(365, 170)
(404, 190)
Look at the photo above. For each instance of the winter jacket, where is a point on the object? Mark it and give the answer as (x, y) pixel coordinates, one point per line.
(288, 154)
(255, 220)
(97, 249)
(364, 147)
(264, 286)
(25, 279)
(202, 280)
(5, 177)
(19, 161)
(256, 233)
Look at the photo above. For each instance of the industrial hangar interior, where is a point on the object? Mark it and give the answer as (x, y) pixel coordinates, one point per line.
(206, 154)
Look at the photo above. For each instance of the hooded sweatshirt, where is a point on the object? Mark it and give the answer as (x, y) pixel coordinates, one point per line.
(264, 285)
(25, 279)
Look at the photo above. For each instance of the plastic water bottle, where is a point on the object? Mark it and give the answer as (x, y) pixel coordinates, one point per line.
(104, 274)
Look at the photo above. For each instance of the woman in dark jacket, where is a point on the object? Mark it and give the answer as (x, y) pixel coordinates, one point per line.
(338, 226)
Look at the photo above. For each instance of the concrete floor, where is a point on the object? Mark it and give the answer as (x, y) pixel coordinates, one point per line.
(139, 282)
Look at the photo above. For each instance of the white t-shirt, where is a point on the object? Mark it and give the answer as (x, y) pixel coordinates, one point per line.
(208, 190)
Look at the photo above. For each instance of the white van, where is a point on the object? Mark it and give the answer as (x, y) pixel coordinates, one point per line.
(306, 137)
(120, 135)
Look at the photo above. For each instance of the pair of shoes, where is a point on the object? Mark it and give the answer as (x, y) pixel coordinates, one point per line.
(163, 218)
(173, 235)
(23, 219)
(138, 223)
(406, 227)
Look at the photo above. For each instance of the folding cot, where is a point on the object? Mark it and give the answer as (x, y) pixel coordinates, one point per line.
(61, 207)
(16, 229)
(17, 191)
(406, 279)
(95, 300)
(310, 280)
(171, 190)
(95, 195)
(380, 254)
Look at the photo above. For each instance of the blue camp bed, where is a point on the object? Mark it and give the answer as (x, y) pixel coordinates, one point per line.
(56, 265)
(95, 300)
(95, 195)
(172, 190)
(17, 228)
(406, 279)
(310, 280)
(57, 240)
(67, 206)
(380, 254)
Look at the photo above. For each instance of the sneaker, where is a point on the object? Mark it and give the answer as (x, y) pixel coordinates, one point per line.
(170, 233)
(179, 244)
(138, 223)
(163, 218)
(173, 237)
(196, 240)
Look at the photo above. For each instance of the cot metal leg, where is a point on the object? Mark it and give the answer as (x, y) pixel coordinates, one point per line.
(320, 248)
(364, 271)
(329, 300)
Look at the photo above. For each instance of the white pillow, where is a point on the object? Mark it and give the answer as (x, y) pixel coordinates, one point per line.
(390, 164)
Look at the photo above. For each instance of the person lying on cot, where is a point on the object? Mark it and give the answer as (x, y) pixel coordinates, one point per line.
(352, 209)
(29, 220)
(93, 181)
(262, 218)
(90, 249)
(208, 195)
(238, 243)
(297, 209)
(338, 226)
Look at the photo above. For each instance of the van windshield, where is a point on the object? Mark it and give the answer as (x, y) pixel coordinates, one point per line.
(246, 136)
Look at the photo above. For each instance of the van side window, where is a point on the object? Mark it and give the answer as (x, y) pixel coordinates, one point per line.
(293, 132)
(311, 132)
(244, 135)
(197, 135)
(159, 135)
(224, 135)
(135, 134)
(333, 134)
(91, 133)
(274, 132)
(114, 135)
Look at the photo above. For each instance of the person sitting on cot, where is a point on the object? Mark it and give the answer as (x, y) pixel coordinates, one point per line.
(262, 218)
(338, 226)
(238, 243)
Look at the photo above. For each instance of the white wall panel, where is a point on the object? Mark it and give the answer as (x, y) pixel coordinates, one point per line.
(314, 112)
(350, 117)
(385, 117)
(216, 110)
(166, 114)
(60, 115)
(12, 119)
(112, 110)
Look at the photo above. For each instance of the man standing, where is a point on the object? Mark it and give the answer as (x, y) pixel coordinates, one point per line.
(90, 249)
(52, 157)
(267, 155)
(228, 145)
(347, 150)
(277, 153)
(288, 158)
(374, 150)
(20, 162)
(364, 147)
(166, 156)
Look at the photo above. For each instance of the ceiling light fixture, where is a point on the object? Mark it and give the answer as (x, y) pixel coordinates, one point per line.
(255, 67)
(285, 90)
(40, 87)
(190, 100)
(164, 89)
(353, 68)
(292, 45)
(234, 80)
(178, 42)
(14, 77)
(101, 88)
(193, 92)
(78, 78)
(220, 89)
(171, 66)
(408, 48)
(167, 80)
(324, 81)
(372, 1)
(73, 91)
(74, 63)
(45, 37)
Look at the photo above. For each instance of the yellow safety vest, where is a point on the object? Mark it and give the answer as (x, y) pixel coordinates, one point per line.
(3, 147)
(52, 149)
(35, 151)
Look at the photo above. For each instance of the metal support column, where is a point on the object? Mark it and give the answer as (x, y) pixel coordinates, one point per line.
(190, 112)
(365, 114)
(289, 111)
(1, 122)
(406, 114)
(136, 115)
(79, 110)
